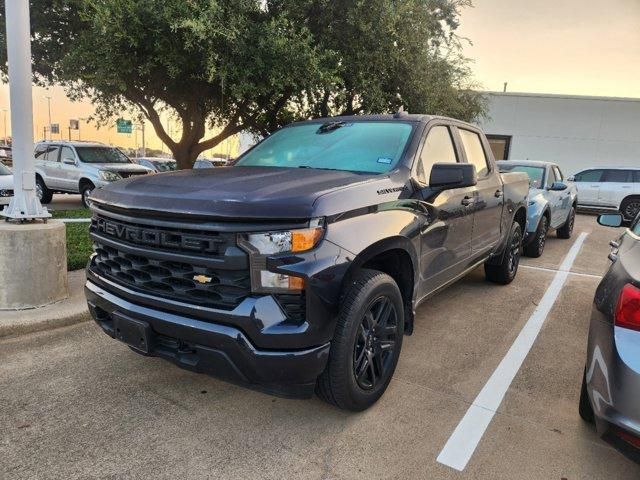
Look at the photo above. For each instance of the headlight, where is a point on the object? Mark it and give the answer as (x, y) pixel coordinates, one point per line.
(263, 245)
(108, 176)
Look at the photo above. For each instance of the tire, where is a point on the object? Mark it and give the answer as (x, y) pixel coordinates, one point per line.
(536, 246)
(85, 192)
(566, 230)
(42, 192)
(363, 356)
(584, 407)
(504, 272)
(630, 208)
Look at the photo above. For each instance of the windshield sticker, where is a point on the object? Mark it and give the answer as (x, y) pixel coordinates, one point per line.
(386, 160)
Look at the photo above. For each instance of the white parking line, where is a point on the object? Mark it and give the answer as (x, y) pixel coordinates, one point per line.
(465, 438)
(543, 269)
(75, 220)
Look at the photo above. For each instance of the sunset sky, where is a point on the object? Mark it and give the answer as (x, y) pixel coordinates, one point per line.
(543, 46)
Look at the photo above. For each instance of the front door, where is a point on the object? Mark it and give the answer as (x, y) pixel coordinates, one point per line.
(489, 195)
(588, 185)
(70, 173)
(446, 236)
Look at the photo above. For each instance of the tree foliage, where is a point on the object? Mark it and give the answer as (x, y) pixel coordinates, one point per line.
(252, 65)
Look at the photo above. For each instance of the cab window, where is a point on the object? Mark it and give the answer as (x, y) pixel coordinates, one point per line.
(475, 153)
(67, 154)
(551, 177)
(438, 148)
(558, 173)
(52, 154)
(589, 176)
(617, 176)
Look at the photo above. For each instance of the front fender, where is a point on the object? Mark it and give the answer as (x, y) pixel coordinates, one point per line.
(536, 210)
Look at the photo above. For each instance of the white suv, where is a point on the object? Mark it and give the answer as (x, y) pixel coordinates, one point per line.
(609, 188)
(79, 167)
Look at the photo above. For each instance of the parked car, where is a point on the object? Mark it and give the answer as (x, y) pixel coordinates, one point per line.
(211, 163)
(6, 184)
(609, 189)
(552, 203)
(611, 382)
(203, 163)
(80, 167)
(301, 266)
(157, 164)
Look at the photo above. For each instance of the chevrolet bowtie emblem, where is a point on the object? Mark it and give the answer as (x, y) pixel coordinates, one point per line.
(202, 279)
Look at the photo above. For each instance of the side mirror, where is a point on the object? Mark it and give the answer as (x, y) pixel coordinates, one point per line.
(571, 178)
(445, 176)
(558, 186)
(68, 161)
(610, 219)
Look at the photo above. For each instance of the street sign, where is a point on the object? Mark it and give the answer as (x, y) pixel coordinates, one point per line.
(74, 124)
(55, 128)
(124, 126)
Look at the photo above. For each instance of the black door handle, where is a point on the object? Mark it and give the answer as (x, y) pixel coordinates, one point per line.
(466, 201)
(498, 193)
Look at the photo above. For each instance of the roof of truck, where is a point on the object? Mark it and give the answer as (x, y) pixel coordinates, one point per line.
(396, 117)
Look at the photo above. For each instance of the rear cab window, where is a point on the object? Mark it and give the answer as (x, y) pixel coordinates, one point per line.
(474, 151)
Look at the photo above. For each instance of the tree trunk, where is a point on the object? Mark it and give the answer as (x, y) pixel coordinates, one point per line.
(185, 154)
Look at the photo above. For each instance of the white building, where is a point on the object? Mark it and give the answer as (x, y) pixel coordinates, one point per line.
(573, 131)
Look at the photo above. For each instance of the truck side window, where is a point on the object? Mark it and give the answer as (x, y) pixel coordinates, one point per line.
(67, 154)
(475, 153)
(551, 177)
(53, 153)
(438, 148)
(558, 173)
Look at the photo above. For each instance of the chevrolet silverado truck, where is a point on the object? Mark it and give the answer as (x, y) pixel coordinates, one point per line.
(301, 266)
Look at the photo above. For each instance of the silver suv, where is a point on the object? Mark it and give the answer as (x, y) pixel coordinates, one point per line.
(79, 167)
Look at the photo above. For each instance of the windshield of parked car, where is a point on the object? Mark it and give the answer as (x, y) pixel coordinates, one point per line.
(536, 174)
(4, 170)
(163, 166)
(101, 155)
(368, 147)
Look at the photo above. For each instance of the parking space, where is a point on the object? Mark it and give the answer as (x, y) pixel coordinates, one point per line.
(63, 201)
(74, 404)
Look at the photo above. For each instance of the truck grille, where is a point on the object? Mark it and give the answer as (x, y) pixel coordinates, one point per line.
(173, 263)
(201, 285)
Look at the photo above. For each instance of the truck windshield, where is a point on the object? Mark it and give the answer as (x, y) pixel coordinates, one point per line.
(367, 147)
(536, 174)
(4, 170)
(101, 155)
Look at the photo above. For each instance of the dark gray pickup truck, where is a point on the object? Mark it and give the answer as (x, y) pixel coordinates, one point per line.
(301, 267)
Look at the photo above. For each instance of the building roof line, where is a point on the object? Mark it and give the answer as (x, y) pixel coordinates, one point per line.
(560, 95)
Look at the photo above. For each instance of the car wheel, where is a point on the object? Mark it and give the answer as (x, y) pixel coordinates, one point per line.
(505, 271)
(536, 247)
(566, 230)
(584, 408)
(86, 192)
(42, 192)
(366, 344)
(630, 208)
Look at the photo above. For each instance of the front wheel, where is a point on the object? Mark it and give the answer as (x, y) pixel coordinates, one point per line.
(366, 344)
(536, 247)
(42, 192)
(86, 192)
(505, 271)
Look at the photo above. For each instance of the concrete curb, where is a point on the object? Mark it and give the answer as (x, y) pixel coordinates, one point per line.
(60, 314)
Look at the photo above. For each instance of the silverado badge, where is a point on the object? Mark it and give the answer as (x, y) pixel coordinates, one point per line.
(202, 279)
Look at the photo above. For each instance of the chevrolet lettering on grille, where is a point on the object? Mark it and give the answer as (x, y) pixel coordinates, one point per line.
(156, 238)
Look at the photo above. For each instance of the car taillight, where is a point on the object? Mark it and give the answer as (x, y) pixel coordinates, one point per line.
(628, 308)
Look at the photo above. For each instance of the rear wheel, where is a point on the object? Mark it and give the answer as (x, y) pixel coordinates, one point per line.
(584, 408)
(85, 191)
(536, 247)
(566, 230)
(630, 208)
(366, 344)
(505, 271)
(42, 192)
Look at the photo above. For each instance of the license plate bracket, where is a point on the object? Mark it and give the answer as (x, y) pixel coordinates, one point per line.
(134, 333)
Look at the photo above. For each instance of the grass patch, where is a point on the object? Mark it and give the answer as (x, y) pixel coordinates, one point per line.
(79, 245)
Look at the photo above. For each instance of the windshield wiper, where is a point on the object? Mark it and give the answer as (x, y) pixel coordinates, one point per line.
(330, 127)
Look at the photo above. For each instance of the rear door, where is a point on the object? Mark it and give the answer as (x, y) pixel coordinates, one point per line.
(616, 185)
(445, 240)
(588, 185)
(488, 196)
(52, 166)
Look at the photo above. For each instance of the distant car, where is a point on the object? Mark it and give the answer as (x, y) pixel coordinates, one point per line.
(80, 167)
(6, 184)
(210, 163)
(552, 203)
(611, 381)
(157, 164)
(609, 189)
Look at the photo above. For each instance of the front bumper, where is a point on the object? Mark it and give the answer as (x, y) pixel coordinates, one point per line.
(212, 348)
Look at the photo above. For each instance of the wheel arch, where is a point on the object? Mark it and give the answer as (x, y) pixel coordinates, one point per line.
(84, 181)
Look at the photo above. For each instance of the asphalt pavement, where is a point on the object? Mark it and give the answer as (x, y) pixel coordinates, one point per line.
(76, 404)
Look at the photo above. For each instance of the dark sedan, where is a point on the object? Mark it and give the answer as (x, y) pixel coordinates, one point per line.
(611, 383)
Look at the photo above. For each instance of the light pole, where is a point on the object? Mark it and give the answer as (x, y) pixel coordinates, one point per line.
(24, 204)
(4, 111)
(49, 107)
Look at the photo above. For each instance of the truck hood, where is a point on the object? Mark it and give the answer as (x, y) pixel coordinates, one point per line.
(247, 192)
(6, 182)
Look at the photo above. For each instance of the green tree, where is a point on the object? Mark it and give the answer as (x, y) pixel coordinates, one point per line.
(249, 64)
